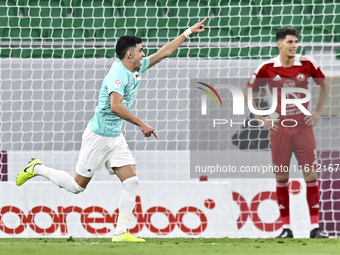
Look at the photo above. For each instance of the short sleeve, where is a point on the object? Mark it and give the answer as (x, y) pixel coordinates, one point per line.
(116, 82)
(257, 80)
(317, 75)
(145, 64)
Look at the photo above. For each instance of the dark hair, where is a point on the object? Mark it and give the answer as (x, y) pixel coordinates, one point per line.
(124, 43)
(283, 32)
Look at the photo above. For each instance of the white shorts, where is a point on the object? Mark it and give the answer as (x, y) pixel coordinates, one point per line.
(97, 150)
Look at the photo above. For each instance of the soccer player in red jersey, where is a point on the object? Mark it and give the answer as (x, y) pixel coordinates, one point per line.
(292, 70)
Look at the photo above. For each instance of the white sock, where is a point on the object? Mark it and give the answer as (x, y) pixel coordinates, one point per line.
(315, 225)
(126, 203)
(286, 226)
(59, 178)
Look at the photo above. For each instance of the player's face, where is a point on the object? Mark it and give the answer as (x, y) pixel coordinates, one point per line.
(288, 46)
(137, 56)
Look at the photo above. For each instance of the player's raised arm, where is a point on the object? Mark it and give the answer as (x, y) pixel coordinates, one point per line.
(311, 120)
(172, 46)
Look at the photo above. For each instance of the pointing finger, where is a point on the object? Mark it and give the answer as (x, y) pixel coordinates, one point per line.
(203, 20)
(154, 134)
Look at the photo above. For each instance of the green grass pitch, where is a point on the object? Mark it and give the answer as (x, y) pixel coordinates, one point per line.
(175, 246)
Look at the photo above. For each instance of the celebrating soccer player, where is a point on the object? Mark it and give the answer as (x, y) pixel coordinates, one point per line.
(292, 70)
(102, 142)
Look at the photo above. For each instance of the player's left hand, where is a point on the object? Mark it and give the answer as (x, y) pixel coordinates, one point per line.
(311, 120)
(268, 123)
(198, 27)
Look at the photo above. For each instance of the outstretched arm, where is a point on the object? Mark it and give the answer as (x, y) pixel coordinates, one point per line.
(172, 46)
(311, 120)
(118, 109)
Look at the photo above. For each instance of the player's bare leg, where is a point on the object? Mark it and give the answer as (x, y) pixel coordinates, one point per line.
(125, 172)
(313, 201)
(128, 177)
(81, 180)
(282, 195)
(282, 177)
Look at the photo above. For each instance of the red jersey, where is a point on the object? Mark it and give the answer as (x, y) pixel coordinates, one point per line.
(276, 76)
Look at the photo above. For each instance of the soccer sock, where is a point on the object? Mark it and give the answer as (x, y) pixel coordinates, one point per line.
(282, 196)
(59, 178)
(313, 200)
(126, 203)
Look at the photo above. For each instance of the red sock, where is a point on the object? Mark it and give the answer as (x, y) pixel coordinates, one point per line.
(282, 197)
(313, 200)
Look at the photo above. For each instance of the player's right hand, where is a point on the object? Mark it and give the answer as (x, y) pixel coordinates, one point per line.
(147, 130)
(268, 123)
(198, 27)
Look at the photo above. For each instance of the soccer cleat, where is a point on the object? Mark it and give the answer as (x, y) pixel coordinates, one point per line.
(126, 237)
(318, 233)
(286, 233)
(27, 173)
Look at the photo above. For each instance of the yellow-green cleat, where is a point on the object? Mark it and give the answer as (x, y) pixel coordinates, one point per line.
(127, 238)
(27, 173)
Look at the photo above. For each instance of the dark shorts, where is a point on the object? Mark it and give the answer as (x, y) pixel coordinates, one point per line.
(299, 140)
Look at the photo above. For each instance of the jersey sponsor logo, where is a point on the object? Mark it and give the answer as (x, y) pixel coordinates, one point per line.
(289, 84)
(117, 84)
(137, 76)
(277, 78)
(300, 77)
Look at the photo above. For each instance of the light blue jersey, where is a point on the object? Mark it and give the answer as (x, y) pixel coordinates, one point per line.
(124, 82)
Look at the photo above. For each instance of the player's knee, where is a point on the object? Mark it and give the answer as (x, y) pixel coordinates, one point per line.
(310, 176)
(131, 183)
(282, 177)
(282, 180)
(77, 189)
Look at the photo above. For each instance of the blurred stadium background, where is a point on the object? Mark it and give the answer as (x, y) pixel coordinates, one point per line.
(54, 55)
